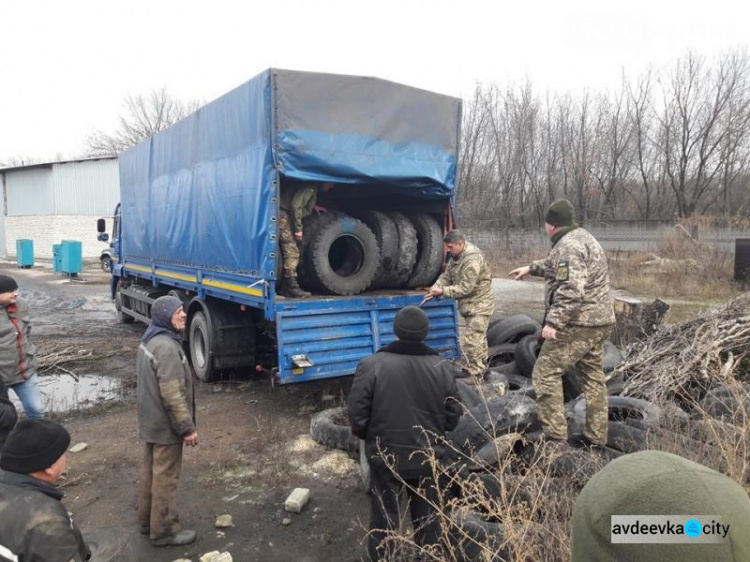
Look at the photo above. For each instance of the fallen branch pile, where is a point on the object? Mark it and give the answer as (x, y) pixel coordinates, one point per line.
(685, 360)
(56, 357)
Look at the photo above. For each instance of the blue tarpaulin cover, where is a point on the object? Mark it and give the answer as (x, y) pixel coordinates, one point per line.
(201, 193)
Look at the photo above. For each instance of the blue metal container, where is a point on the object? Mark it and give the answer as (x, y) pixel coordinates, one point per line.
(57, 258)
(71, 257)
(25, 253)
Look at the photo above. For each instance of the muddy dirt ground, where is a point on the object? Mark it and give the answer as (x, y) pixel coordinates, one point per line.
(254, 441)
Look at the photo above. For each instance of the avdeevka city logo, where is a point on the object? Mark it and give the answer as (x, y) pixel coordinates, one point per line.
(693, 528)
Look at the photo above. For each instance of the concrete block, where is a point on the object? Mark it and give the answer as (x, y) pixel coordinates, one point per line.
(297, 500)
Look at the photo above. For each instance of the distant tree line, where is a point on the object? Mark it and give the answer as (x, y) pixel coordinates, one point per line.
(671, 143)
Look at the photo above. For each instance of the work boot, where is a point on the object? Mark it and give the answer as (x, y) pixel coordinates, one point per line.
(178, 539)
(292, 289)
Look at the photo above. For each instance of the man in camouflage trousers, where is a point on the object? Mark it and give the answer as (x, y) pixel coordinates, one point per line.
(295, 205)
(468, 279)
(578, 318)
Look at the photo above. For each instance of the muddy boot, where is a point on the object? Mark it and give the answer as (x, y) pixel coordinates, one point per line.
(292, 289)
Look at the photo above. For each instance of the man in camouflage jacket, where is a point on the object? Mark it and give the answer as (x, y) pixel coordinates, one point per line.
(166, 419)
(578, 319)
(468, 279)
(295, 205)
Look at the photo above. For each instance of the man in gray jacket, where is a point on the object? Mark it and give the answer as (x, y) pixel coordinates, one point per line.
(166, 418)
(18, 361)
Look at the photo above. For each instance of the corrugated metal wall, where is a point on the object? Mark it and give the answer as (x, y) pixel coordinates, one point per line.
(69, 188)
(29, 192)
(86, 188)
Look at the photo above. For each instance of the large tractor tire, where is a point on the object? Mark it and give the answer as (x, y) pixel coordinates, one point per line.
(407, 257)
(344, 256)
(386, 233)
(429, 251)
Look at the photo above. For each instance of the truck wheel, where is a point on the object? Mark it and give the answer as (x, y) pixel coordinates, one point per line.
(511, 329)
(429, 251)
(200, 348)
(122, 316)
(407, 257)
(344, 256)
(386, 234)
(106, 263)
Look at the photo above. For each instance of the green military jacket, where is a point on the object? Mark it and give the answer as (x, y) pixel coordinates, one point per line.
(17, 354)
(468, 279)
(578, 289)
(299, 203)
(166, 398)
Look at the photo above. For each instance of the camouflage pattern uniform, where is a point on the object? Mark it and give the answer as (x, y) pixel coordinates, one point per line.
(579, 306)
(295, 205)
(468, 279)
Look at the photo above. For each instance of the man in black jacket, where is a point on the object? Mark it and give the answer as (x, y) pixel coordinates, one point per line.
(34, 524)
(402, 401)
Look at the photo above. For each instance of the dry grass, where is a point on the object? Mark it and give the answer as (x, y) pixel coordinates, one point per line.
(688, 270)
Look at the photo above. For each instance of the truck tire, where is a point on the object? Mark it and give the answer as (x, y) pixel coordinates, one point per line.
(498, 355)
(407, 257)
(344, 256)
(385, 232)
(106, 263)
(429, 251)
(527, 350)
(331, 428)
(311, 224)
(511, 329)
(121, 316)
(635, 412)
(200, 342)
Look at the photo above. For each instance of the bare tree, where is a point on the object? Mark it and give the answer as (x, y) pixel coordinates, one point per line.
(144, 116)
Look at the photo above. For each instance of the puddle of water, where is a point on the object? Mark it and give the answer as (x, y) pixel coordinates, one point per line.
(63, 393)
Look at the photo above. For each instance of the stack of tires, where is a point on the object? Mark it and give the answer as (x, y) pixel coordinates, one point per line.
(347, 254)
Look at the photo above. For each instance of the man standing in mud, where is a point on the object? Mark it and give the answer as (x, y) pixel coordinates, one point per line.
(18, 362)
(468, 279)
(166, 418)
(578, 318)
(295, 205)
(402, 401)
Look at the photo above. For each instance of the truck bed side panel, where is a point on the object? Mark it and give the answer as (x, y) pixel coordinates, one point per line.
(335, 334)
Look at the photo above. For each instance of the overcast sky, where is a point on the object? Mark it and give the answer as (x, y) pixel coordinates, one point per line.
(65, 66)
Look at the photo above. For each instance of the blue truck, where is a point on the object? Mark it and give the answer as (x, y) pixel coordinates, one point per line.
(199, 209)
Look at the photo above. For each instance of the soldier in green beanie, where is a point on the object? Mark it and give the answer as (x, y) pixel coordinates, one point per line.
(654, 483)
(578, 319)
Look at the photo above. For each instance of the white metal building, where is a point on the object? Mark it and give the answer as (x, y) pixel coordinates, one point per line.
(48, 203)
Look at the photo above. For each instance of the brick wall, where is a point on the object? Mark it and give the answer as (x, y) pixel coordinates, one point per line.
(46, 230)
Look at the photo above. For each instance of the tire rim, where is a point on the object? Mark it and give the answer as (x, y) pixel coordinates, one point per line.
(199, 348)
(346, 255)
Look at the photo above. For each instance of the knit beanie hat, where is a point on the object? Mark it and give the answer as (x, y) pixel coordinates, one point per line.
(161, 318)
(411, 324)
(7, 284)
(561, 213)
(658, 483)
(33, 446)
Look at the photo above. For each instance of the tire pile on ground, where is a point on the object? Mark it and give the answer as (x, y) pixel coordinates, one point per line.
(505, 468)
(347, 254)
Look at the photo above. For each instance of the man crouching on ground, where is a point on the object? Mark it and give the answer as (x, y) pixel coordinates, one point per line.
(34, 524)
(401, 397)
(166, 416)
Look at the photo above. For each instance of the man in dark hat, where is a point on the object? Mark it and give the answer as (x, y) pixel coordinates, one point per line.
(578, 319)
(402, 401)
(18, 362)
(166, 418)
(34, 525)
